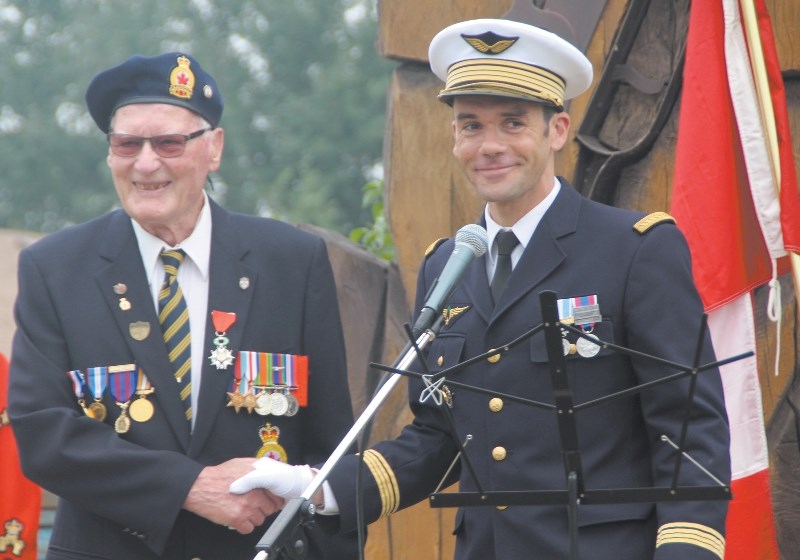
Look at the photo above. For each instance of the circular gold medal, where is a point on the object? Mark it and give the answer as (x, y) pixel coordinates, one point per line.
(97, 411)
(141, 410)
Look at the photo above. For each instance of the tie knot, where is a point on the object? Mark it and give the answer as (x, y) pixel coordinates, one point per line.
(506, 241)
(172, 259)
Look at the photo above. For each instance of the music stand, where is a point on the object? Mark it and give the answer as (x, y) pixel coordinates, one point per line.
(300, 511)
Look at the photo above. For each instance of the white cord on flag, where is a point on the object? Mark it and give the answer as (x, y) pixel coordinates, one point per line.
(775, 312)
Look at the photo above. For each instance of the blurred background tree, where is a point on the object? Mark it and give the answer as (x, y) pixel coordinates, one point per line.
(304, 92)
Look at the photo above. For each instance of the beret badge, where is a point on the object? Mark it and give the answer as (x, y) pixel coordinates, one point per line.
(489, 42)
(181, 79)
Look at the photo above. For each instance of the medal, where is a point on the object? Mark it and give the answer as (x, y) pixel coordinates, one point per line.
(122, 387)
(278, 403)
(141, 409)
(271, 448)
(221, 356)
(292, 406)
(79, 388)
(587, 348)
(249, 402)
(263, 403)
(98, 378)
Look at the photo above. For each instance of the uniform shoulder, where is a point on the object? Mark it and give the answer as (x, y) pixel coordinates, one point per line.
(435, 245)
(652, 220)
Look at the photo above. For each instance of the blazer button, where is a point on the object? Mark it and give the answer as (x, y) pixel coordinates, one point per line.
(496, 404)
(440, 361)
(501, 508)
(494, 358)
(499, 453)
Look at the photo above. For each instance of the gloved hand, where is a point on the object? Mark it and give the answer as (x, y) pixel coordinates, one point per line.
(285, 481)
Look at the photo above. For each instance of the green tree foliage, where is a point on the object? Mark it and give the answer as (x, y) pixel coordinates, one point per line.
(304, 94)
(375, 237)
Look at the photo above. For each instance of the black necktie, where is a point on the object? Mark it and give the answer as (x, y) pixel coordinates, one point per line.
(506, 241)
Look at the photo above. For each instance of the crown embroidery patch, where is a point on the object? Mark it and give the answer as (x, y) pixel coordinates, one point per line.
(181, 79)
(489, 42)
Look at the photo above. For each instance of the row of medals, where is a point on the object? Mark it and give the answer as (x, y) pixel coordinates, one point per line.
(584, 347)
(139, 410)
(278, 401)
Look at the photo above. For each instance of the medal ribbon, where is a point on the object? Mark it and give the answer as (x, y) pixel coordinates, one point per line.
(143, 384)
(78, 382)
(586, 311)
(246, 371)
(222, 320)
(98, 379)
(565, 310)
(123, 383)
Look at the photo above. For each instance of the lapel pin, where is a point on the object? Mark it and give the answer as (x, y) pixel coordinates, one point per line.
(244, 282)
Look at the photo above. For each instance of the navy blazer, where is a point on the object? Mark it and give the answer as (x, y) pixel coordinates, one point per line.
(121, 494)
(648, 303)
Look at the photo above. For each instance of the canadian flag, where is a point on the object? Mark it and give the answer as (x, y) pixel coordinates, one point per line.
(20, 499)
(735, 198)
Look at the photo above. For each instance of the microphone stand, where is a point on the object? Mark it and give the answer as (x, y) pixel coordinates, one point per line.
(301, 510)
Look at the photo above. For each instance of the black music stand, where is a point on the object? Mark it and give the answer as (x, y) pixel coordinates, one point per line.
(300, 511)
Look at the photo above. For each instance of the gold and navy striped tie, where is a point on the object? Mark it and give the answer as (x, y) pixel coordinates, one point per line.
(173, 315)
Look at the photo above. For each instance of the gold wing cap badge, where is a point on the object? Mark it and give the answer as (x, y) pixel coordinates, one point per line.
(652, 220)
(489, 42)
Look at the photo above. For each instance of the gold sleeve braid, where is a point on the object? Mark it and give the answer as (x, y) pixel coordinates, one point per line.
(385, 480)
(694, 534)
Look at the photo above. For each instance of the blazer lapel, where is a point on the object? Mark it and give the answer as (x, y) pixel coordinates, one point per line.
(231, 288)
(544, 254)
(123, 284)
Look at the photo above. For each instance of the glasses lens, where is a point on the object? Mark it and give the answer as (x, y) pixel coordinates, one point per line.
(125, 145)
(169, 145)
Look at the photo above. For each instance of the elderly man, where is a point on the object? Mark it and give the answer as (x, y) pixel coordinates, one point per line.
(162, 347)
(620, 276)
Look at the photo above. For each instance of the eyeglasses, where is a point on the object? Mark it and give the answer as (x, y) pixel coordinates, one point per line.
(165, 145)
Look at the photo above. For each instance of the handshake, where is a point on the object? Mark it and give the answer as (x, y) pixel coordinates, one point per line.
(282, 480)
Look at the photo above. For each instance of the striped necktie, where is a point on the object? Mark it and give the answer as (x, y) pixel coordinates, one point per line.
(173, 315)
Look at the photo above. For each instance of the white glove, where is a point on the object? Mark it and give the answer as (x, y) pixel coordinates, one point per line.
(285, 481)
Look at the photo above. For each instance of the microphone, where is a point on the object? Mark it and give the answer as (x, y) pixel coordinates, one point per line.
(471, 242)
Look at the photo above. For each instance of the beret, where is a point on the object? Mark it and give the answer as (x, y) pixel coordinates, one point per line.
(172, 78)
(509, 59)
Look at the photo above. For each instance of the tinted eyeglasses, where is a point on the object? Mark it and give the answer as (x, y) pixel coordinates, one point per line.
(165, 145)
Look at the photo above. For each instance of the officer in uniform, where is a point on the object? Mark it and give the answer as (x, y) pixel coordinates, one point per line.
(620, 276)
(161, 348)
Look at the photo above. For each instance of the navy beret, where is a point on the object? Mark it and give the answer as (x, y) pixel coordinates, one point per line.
(172, 78)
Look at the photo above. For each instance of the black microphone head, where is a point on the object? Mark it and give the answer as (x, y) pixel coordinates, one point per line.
(474, 237)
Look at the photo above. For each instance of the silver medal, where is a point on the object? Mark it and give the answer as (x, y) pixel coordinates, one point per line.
(263, 404)
(278, 403)
(587, 348)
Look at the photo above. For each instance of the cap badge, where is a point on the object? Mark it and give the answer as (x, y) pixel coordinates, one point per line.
(489, 42)
(181, 79)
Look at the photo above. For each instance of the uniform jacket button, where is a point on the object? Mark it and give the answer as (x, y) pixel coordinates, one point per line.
(496, 404)
(499, 453)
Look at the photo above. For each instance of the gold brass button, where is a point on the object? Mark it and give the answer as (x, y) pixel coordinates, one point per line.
(501, 508)
(499, 453)
(494, 358)
(440, 361)
(496, 404)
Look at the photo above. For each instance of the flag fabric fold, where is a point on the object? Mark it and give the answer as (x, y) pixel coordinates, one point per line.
(20, 499)
(735, 198)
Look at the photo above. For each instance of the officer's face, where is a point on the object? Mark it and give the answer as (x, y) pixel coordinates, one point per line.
(506, 150)
(164, 194)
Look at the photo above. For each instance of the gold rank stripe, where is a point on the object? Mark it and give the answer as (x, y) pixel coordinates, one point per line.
(694, 534)
(515, 77)
(385, 480)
